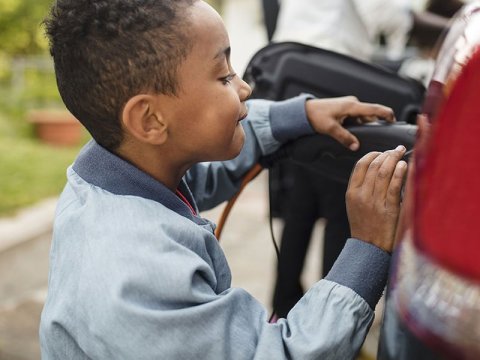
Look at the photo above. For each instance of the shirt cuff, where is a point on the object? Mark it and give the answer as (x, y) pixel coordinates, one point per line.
(362, 267)
(289, 120)
(259, 121)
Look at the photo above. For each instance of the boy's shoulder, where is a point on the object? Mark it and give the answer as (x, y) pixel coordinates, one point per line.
(89, 215)
(84, 202)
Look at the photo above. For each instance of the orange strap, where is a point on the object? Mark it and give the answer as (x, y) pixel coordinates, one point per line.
(252, 174)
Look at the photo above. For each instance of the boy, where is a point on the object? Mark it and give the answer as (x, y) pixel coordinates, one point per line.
(135, 272)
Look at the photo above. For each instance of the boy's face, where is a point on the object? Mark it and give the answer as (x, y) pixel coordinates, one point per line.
(207, 110)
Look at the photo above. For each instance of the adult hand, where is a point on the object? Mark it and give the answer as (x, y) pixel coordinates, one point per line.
(327, 115)
(373, 197)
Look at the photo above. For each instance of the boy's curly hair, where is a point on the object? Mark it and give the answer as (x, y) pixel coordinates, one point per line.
(106, 51)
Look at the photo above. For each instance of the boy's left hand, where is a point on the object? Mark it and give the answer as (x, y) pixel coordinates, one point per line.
(327, 115)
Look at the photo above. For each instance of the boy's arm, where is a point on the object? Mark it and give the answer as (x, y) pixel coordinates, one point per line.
(167, 306)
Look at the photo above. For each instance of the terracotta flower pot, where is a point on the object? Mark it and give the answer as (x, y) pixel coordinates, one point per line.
(56, 127)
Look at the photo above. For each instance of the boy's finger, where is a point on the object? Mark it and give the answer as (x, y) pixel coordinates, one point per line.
(344, 137)
(361, 167)
(367, 111)
(372, 172)
(368, 119)
(394, 189)
(386, 170)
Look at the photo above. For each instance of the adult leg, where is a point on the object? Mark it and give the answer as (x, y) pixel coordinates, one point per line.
(301, 214)
(337, 228)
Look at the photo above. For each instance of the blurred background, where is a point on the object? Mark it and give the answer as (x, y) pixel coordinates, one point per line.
(30, 170)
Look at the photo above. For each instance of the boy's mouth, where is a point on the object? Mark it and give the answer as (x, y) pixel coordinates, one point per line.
(243, 116)
(245, 113)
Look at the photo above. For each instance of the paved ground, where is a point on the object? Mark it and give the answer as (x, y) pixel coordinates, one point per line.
(246, 239)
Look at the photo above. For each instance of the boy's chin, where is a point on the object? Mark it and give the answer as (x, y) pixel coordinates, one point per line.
(239, 148)
(234, 151)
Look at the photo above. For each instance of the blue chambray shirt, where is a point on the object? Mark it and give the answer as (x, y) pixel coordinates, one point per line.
(134, 274)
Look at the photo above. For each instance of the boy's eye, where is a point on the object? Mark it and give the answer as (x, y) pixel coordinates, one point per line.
(228, 79)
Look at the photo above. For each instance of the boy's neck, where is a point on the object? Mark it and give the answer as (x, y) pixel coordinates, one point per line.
(150, 160)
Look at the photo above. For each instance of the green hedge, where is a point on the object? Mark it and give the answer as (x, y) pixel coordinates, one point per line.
(30, 172)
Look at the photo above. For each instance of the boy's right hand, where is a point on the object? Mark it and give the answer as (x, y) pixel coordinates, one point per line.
(373, 197)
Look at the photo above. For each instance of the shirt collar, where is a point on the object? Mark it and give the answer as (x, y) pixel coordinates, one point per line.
(101, 168)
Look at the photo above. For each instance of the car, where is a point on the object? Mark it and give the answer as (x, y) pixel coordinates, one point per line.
(433, 298)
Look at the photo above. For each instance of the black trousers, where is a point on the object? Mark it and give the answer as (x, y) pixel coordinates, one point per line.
(312, 196)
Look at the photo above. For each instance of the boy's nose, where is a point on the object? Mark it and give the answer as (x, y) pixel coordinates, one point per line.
(245, 90)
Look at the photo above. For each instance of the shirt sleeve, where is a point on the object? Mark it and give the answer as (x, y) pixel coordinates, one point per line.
(267, 126)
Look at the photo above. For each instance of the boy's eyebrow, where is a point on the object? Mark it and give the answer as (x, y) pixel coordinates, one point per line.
(224, 52)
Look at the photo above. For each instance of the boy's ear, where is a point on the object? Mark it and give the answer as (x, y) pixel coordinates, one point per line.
(142, 118)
